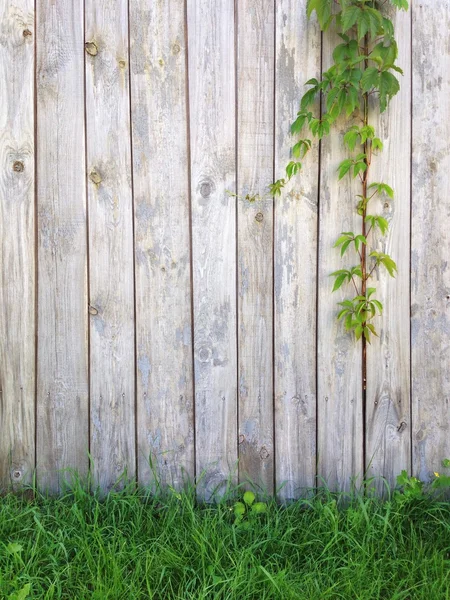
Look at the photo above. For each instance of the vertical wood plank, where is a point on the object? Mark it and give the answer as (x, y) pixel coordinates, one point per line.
(340, 425)
(298, 50)
(255, 42)
(388, 421)
(213, 166)
(111, 293)
(163, 289)
(17, 244)
(62, 387)
(430, 289)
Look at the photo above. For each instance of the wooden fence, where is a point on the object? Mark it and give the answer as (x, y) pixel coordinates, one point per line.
(150, 318)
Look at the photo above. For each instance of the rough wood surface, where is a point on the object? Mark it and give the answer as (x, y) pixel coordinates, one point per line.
(213, 172)
(298, 48)
(17, 247)
(111, 295)
(340, 424)
(388, 420)
(430, 252)
(255, 146)
(62, 386)
(163, 289)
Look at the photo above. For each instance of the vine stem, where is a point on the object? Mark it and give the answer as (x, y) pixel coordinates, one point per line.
(363, 254)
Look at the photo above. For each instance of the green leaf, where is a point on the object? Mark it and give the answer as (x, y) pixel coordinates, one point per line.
(239, 509)
(249, 498)
(389, 86)
(345, 235)
(293, 168)
(276, 187)
(351, 137)
(349, 17)
(301, 148)
(383, 187)
(359, 167)
(259, 508)
(308, 99)
(340, 279)
(14, 548)
(345, 167)
(370, 79)
(401, 4)
(377, 144)
(323, 11)
(299, 122)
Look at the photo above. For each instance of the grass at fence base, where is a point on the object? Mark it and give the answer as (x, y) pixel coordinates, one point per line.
(128, 545)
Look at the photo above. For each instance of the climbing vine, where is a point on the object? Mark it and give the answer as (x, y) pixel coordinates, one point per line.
(364, 66)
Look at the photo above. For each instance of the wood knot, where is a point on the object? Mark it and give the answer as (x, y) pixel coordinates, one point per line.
(18, 166)
(16, 475)
(122, 63)
(259, 217)
(93, 310)
(91, 48)
(263, 453)
(95, 177)
(26, 33)
(176, 48)
(206, 188)
(401, 427)
(241, 438)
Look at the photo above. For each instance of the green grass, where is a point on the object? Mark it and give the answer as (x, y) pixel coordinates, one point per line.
(129, 545)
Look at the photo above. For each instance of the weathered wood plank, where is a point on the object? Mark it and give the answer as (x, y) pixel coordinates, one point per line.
(298, 59)
(62, 386)
(255, 145)
(430, 250)
(17, 247)
(165, 411)
(388, 420)
(340, 424)
(111, 293)
(212, 126)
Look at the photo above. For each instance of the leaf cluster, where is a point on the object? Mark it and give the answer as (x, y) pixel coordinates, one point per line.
(246, 511)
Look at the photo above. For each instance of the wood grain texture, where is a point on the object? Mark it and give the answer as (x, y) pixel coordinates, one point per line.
(255, 76)
(213, 172)
(62, 386)
(340, 424)
(298, 52)
(17, 244)
(111, 293)
(430, 252)
(163, 288)
(388, 419)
